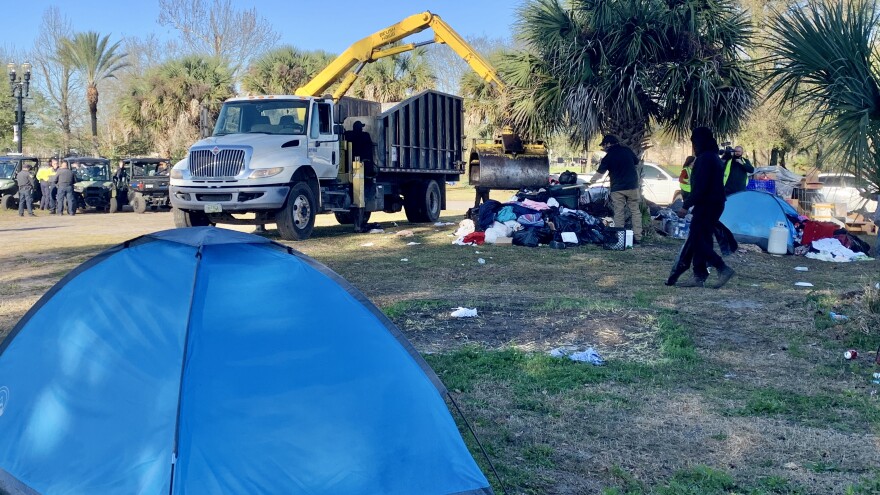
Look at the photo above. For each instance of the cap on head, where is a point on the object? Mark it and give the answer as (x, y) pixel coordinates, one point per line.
(358, 125)
(609, 139)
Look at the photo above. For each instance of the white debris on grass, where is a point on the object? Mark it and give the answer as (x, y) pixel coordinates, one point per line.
(803, 284)
(465, 227)
(481, 261)
(404, 259)
(801, 268)
(832, 250)
(443, 224)
(377, 231)
(413, 243)
(368, 244)
(404, 233)
(464, 313)
(588, 356)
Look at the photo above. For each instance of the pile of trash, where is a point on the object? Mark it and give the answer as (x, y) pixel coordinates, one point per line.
(531, 223)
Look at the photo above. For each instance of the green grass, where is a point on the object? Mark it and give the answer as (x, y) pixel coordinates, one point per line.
(552, 304)
(398, 309)
(700, 480)
(845, 411)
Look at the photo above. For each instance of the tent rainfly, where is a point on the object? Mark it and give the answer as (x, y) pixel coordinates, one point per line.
(204, 360)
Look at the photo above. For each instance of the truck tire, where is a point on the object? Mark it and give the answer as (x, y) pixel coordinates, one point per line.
(139, 204)
(8, 202)
(347, 218)
(190, 219)
(421, 202)
(114, 205)
(297, 218)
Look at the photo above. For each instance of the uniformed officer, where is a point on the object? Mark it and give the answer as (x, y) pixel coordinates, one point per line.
(25, 190)
(65, 180)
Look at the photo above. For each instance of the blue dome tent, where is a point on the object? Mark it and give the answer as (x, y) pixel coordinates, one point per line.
(240, 367)
(751, 214)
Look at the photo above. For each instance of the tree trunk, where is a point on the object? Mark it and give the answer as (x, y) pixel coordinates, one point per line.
(774, 157)
(782, 159)
(92, 97)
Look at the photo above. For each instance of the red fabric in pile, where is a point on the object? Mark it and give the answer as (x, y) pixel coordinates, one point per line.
(813, 231)
(478, 237)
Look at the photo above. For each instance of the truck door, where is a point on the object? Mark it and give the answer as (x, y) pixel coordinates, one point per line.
(323, 144)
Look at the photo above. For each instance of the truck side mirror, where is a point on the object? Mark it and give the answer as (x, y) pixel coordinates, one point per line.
(338, 129)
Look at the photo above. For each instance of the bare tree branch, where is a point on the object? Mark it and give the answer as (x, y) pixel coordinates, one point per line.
(216, 28)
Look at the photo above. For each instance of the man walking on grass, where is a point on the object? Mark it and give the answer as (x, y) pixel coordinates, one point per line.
(707, 199)
(620, 162)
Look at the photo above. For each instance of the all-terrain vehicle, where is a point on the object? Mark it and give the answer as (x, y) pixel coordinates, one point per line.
(10, 165)
(96, 187)
(147, 183)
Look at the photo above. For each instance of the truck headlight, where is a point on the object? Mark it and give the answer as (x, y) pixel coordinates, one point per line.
(266, 172)
(176, 173)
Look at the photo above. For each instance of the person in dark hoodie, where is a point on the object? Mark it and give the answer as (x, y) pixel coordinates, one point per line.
(707, 200)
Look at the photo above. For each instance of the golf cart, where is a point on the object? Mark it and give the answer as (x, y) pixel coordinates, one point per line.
(148, 183)
(94, 187)
(10, 166)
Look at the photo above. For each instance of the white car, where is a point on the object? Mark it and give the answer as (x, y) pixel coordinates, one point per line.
(844, 188)
(658, 186)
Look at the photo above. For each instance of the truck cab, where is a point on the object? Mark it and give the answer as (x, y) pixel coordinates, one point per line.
(285, 159)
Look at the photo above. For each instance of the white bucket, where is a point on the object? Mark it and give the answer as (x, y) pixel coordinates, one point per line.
(777, 243)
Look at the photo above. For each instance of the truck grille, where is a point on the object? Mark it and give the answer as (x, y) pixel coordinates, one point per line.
(226, 164)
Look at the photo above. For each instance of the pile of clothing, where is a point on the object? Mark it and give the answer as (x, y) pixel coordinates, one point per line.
(826, 241)
(530, 223)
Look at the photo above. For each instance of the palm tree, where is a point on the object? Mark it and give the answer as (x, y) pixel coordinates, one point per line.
(824, 58)
(628, 66)
(395, 78)
(89, 54)
(165, 104)
(281, 71)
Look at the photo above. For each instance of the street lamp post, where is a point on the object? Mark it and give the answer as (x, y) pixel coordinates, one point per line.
(19, 85)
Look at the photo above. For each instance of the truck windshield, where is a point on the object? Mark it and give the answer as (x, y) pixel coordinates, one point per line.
(262, 117)
(7, 170)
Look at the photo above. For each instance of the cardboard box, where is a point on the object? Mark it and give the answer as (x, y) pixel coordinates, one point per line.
(823, 210)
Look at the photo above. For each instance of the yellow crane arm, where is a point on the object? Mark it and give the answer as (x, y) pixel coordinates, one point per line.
(346, 67)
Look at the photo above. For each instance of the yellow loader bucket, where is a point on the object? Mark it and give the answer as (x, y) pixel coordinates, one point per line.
(509, 164)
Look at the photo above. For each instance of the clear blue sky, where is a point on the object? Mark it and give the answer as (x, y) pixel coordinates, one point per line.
(330, 25)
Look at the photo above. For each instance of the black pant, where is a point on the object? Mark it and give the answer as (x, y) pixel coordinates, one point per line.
(482, 195)
(25, 198)
(44, 199)
(701, 238)
(65, 193)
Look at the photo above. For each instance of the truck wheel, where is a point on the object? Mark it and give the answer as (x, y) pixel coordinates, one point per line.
(297, 218)
(190, 218)
(422, 202)
(114, 205)
(8, 202)
(347, 218)
(138, 204)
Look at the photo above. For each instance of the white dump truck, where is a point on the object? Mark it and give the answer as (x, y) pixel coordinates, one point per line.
(283, 159)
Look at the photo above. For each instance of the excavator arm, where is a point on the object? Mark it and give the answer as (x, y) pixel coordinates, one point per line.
(346, 67)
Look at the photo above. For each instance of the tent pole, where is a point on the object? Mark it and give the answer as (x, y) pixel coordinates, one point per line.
(480, 444)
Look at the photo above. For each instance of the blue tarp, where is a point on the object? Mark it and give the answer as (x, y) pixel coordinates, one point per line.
(751, 214)
(208, 361)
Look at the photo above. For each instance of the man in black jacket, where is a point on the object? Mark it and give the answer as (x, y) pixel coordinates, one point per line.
(707, 199)
(65, 180)
(25, 182)
(736, 172)
(620, 162)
